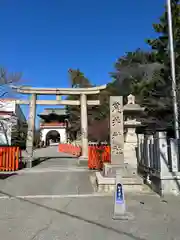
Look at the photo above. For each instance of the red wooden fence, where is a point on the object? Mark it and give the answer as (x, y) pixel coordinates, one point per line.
(70, 149)
(97, 155)
(9, 158)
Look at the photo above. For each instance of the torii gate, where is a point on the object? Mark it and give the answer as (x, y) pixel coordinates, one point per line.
(32, 102)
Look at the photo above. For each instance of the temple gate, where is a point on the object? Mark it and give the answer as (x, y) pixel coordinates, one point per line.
(53, 126)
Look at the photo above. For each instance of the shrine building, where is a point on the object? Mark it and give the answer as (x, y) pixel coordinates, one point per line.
(53, 126)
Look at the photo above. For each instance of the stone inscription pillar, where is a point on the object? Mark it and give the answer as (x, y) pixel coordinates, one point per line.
(84, 126)
(31, 128)
(116, 130)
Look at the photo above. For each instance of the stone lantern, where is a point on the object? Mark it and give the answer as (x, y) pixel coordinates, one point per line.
(131, 112)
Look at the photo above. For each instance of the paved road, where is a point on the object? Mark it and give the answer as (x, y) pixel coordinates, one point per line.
(56, 201)
(56, 174)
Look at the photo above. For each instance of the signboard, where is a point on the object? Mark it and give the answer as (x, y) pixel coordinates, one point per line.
(120, 212)
(119, 194)
(7, 106)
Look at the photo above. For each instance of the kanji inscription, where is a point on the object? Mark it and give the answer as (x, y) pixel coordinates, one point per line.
(116, 129)
(116, 107)
(116, 120)
(117, 150)
(116, 134)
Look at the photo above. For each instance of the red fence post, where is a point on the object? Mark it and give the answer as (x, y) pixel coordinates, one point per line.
(97, 155)
(9, 158)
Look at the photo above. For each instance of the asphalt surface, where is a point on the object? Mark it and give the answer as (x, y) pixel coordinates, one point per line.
(56, 200)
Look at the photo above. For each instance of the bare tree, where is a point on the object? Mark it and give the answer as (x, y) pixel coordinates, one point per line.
(6, 79)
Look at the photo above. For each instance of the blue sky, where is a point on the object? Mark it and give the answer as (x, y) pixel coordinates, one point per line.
(44, 38)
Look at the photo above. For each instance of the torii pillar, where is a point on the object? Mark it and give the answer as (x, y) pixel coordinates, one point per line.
(31, 129)
(84, 127)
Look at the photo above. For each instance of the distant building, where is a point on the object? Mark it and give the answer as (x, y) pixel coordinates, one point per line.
(53, 125)
(13, 124)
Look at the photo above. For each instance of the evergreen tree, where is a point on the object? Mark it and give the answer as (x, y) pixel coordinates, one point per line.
(156, 94)
(133, 69)
(147, 75)
(77, 80)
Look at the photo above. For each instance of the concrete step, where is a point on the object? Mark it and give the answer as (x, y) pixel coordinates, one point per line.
(107, 184)
(109, 170)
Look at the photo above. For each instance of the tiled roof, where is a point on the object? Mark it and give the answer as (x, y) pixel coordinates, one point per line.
(58, 111)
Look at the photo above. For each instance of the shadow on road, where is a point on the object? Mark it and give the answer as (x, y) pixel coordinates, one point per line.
(75, 217)
(5, 175)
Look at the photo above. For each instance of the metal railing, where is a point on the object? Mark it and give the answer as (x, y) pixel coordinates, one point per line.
(157, 154)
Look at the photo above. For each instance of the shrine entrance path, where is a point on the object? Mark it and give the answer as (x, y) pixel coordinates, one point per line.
(50, 158)
(55, 200)
(56, 174)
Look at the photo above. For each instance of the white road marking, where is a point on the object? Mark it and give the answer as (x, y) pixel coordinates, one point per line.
(56, 170)
(56, 196)
(46, 170)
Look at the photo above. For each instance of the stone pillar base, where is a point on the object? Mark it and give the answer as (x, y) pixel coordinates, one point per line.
(29, 163)
(166, 187)
(125, 216)
(109, 170)
(83, 160)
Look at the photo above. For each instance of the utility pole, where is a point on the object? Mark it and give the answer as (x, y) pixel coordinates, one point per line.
(173, 71)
